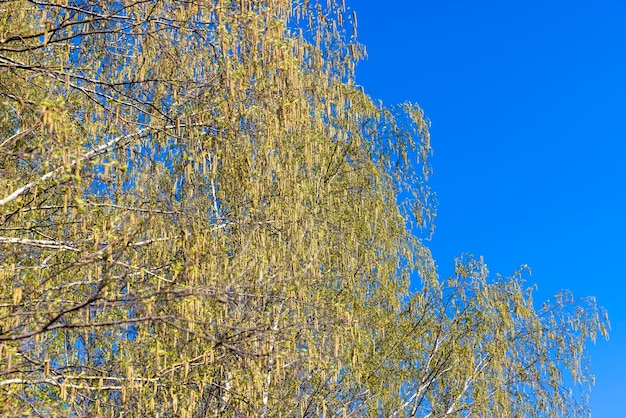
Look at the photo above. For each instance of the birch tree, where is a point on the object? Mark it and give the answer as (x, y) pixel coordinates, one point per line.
(202, 214)
(480, 348)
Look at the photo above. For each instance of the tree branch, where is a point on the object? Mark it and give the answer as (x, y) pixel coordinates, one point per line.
(87, 156)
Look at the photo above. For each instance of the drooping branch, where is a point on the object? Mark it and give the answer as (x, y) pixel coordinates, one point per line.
(102, 149)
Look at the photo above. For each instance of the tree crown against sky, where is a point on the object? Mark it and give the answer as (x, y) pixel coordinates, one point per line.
(203, 214)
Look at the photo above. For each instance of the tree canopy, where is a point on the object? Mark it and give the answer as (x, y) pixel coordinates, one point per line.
(202, 214)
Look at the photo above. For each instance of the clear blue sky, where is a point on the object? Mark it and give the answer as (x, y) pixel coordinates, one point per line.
(528, 107)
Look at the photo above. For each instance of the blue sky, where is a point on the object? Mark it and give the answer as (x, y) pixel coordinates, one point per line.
(527, 102)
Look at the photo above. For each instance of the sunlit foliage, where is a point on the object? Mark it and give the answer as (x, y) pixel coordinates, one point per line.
(202, 214)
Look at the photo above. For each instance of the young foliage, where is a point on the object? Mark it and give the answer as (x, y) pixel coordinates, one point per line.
(480, 348)
(201, 214)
